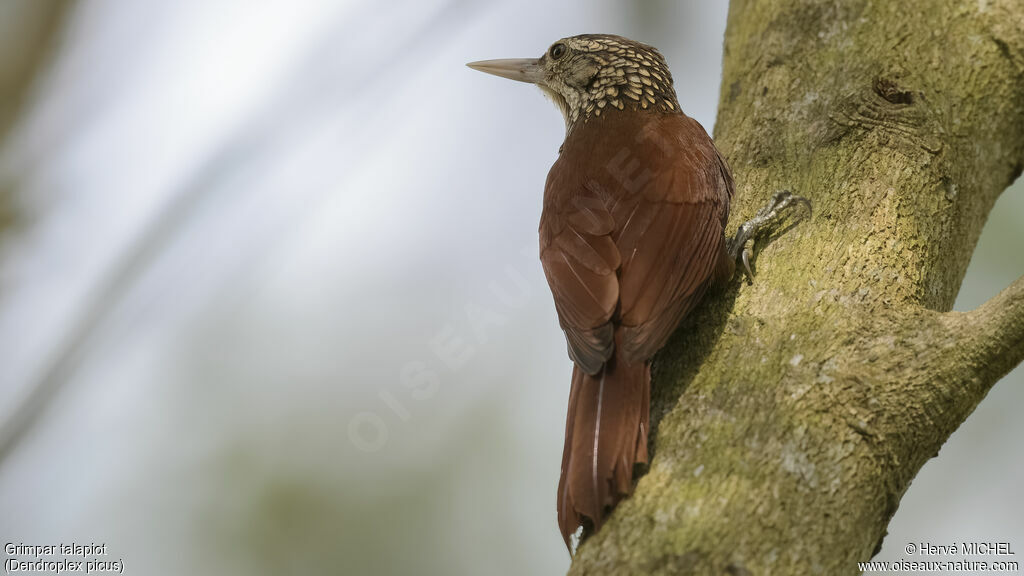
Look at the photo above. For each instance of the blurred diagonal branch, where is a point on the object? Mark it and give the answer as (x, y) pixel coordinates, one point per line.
(28, 34)
(183, 206)
(795, 412)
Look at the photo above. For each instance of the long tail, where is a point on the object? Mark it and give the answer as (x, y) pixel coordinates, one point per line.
(605, 435)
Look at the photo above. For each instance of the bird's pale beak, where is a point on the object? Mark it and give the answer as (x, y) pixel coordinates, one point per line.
(521, 69)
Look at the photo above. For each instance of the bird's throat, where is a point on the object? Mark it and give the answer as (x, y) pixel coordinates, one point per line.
(569, 114)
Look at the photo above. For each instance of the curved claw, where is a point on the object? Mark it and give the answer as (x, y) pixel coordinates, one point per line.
(781, 202)
(746, 266)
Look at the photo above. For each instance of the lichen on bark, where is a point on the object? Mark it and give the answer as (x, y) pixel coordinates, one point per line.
(791, 414)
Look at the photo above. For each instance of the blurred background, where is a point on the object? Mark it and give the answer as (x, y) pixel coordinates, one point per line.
(268, 283)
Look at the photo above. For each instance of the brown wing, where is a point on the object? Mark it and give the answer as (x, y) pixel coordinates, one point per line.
(643, 247)
(580, 262)
(671, 236)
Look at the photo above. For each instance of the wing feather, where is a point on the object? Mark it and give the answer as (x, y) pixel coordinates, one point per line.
(671, 255)
(581, 263)
(640, 257)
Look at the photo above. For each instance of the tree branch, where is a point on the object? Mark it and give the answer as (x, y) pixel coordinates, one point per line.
(789, 417)
(991, 337)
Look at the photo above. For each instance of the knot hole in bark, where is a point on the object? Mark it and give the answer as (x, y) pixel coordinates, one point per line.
(891, 91)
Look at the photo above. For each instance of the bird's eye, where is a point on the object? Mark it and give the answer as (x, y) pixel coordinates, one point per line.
(558, 50)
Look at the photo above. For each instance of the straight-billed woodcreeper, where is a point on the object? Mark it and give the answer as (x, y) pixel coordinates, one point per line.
(632, 235)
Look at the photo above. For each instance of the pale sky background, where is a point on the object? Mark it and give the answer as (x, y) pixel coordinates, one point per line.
(268, 216)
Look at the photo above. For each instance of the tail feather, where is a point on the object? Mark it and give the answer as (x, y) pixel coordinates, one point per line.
(605, 435)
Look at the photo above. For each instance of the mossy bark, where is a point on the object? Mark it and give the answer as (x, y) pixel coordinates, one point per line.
(792, 414)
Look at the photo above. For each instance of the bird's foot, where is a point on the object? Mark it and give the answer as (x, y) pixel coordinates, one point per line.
(769, 215)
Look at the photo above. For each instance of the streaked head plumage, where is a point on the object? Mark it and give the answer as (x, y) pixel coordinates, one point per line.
(593, 74)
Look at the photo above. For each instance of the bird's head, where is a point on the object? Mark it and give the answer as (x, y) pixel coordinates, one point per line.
(592, 74)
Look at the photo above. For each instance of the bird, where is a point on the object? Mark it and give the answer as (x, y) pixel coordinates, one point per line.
(632, 236)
